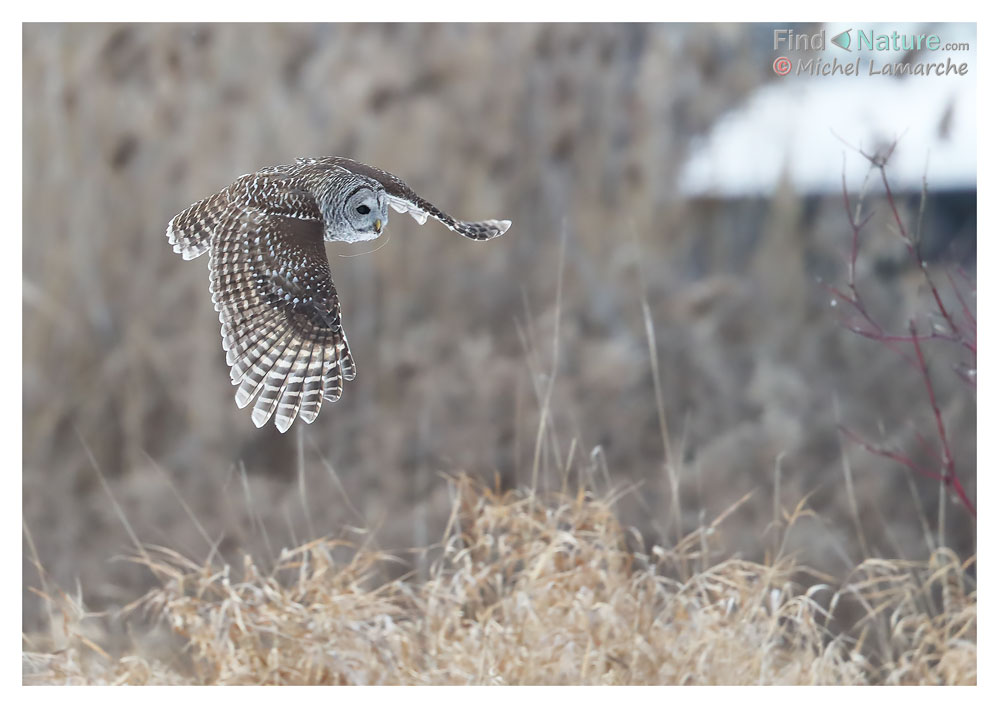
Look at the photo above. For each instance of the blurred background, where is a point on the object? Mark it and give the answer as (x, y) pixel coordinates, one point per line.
(669, 164)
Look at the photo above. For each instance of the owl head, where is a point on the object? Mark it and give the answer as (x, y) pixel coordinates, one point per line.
(354, 209)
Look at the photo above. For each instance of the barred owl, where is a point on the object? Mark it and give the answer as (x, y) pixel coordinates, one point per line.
(270, 278)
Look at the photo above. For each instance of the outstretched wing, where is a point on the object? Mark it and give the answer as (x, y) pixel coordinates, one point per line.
(403, 199)
(281, 330)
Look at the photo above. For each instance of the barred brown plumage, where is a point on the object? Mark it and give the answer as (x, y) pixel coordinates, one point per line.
(270, 278)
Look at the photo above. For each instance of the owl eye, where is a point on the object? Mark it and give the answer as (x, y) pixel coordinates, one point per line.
(364, 209)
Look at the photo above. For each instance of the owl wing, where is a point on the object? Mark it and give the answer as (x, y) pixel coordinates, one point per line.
(190, 232)
(272, 189)
(280, 315)
(403, 199)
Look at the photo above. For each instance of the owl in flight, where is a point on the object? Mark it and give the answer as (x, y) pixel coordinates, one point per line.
(270, 278)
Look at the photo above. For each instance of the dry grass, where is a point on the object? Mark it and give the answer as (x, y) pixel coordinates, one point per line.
(532, 591)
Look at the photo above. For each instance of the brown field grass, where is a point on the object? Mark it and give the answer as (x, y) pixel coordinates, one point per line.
(676, 358)
(531, 590)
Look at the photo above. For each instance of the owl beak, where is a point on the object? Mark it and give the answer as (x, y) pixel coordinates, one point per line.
(378, 225)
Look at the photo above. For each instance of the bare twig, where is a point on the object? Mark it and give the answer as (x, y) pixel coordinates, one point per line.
(960, 331)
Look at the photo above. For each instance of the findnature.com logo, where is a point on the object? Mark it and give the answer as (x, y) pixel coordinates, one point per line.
(849, 40)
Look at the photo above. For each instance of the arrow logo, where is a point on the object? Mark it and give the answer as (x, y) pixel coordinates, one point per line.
(842, 40)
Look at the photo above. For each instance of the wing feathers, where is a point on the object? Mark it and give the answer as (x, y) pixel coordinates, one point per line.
(271, 285)
(258, 367)
(290, 399)
(190, 232)
(279, 314)
(312, 386)
(333, 385)
(275, 382)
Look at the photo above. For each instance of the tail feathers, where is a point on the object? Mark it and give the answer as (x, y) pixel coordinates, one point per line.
(190, 232)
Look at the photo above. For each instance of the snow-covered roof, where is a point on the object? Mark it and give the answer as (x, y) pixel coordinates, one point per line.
(803, 126)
